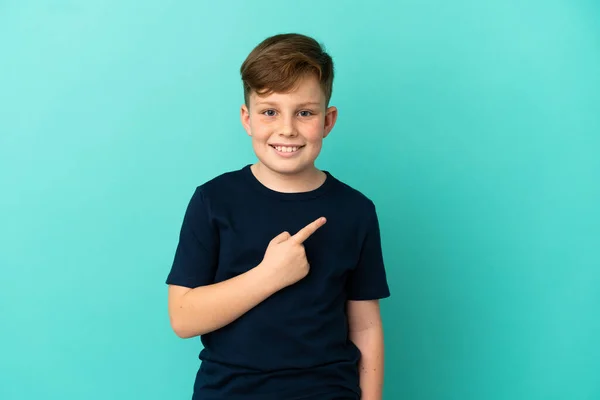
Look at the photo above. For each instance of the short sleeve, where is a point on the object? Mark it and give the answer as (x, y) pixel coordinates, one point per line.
(195, 260)
(368, 281)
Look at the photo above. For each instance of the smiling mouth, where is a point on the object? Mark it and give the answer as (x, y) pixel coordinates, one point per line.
(286, 149)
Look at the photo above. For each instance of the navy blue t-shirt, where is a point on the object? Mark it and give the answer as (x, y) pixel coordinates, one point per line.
(295, 344)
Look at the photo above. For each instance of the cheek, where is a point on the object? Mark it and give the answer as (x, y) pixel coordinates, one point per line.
(314, 133)
(259, 132)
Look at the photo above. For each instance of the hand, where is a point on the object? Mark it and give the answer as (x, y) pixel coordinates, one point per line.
(286, 257)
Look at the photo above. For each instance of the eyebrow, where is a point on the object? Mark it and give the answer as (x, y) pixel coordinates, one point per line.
(269, 103)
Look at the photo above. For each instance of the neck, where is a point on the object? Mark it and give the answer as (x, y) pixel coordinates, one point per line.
(304, 181)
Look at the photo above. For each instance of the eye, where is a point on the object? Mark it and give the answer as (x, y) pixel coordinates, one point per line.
(305, 113)
(269, 113)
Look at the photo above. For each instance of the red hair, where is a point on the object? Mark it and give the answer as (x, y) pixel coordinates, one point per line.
(280, 61)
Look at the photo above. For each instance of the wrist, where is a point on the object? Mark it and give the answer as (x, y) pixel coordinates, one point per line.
(267, 278)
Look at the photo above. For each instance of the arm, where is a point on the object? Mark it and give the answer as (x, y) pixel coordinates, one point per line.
(206, 308)
(197, 311)
(366, 332)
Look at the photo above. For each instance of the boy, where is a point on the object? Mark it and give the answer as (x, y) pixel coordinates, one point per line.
(279, 265)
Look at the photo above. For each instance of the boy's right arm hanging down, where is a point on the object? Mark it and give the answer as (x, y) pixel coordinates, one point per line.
(204, 309)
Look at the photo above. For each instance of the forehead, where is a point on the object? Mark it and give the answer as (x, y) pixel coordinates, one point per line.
(307, 90)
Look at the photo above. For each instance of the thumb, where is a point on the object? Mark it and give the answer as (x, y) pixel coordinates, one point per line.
(282, 237)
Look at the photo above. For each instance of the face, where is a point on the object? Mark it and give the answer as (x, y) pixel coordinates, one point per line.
(287, 129)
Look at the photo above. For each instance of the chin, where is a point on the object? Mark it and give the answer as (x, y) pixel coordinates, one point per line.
(285, 167)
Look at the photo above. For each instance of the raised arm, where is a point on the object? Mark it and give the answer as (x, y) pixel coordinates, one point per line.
(204, 309)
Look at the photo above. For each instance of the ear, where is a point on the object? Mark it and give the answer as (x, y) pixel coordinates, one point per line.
(245, 118)
(330, 119)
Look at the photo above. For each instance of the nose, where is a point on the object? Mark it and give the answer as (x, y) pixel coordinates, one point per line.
(287, 128)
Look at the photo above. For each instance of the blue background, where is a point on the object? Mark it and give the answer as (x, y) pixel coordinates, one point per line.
(473, 125)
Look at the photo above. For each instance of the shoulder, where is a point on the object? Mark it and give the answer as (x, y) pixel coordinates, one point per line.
(224, 179)
(353, 197)
(222, 184)
(354, 209)
(216, 190)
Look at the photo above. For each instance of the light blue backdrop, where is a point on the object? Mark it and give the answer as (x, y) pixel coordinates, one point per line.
(473, 125)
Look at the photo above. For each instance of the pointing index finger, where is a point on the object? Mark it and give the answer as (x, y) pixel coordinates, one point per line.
(308, 230)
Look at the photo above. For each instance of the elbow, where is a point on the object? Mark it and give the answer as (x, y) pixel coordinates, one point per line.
(185, 322)
(181, 329)
(184, 329)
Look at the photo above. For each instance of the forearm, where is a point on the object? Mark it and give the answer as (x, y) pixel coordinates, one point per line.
(208, 308)
(370, 343)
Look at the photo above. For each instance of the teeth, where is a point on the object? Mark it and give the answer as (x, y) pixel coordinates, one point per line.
(286, 149)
